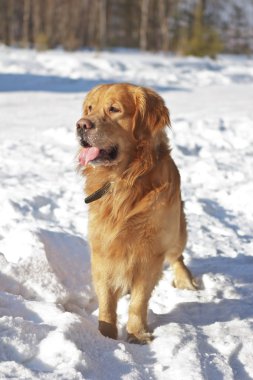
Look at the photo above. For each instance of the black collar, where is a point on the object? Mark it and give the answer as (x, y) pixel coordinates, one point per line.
(98, 193)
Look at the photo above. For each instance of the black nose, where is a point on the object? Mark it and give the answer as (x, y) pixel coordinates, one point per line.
(84, 124)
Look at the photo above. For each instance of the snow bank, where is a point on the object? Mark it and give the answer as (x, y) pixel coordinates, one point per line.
(48, 310)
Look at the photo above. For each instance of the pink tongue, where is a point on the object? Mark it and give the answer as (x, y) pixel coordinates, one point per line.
(88, 154)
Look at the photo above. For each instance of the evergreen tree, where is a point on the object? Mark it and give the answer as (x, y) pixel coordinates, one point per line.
(204, 40)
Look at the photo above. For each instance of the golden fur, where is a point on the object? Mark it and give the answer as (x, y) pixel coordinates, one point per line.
(140, 222)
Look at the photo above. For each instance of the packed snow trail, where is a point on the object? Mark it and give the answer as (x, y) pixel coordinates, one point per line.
(48, 310)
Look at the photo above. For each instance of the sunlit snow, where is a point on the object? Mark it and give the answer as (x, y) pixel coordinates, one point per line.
(48, 310)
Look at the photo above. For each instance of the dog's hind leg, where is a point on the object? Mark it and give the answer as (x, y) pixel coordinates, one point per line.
(183, 278)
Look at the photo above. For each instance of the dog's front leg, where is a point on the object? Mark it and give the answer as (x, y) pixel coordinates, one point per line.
(142, 287)
(107, 303)
(107, 313)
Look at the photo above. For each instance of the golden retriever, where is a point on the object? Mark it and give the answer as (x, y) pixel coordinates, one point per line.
(136, 217)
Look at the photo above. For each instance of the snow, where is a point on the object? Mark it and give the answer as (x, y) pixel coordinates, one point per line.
(48, 309)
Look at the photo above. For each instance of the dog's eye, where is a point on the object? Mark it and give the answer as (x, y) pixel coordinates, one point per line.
(113, 109)
(90, 108)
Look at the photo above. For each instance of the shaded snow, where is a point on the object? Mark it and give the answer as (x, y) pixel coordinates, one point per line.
(48, 310)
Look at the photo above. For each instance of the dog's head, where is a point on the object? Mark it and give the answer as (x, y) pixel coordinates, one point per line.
(120, 122)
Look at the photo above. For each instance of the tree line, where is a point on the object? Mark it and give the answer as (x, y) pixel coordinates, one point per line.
(198, 27)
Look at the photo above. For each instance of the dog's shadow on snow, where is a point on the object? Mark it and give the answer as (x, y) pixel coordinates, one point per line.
(239, 271)
(192, 317)
(195, 316)
(205, 314)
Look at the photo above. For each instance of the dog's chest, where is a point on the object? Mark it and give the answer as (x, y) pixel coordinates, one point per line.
(122, 236)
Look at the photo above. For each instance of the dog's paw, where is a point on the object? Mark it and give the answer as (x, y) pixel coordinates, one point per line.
(183, 279)
(142, 337)
(186, 282)
(108, 330)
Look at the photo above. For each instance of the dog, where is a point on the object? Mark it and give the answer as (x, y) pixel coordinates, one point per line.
(136, 216)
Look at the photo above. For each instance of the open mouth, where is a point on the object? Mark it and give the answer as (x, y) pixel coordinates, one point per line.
(96, 155)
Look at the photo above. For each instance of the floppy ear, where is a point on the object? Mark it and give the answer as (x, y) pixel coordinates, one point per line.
(151, 114)
(142, 163)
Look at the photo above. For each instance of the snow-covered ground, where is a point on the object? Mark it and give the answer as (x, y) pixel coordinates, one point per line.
(48, 311)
